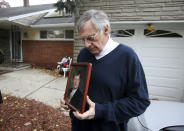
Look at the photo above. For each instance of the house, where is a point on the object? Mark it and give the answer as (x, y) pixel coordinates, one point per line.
(153, 28)
(36, 34)
(161, 50)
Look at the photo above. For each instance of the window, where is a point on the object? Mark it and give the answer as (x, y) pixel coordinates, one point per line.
(43, 34)
(69, 34)
(122, 33)
(56, 34)
(161, 33)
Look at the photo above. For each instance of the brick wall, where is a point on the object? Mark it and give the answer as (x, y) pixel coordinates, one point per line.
(46, 53)
(134, 10)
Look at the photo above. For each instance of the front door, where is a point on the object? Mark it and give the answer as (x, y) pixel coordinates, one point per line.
(16, 44)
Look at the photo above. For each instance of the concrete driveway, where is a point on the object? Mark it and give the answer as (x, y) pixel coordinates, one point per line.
(34, 84)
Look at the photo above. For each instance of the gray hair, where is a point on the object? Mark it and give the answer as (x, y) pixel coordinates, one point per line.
(98, 17)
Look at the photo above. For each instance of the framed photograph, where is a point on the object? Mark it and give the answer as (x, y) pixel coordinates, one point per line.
(77, 86)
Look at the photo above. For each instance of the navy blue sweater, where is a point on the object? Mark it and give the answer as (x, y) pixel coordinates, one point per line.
(118, 88)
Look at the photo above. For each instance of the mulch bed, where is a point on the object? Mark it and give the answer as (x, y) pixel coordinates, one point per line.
(18, 114)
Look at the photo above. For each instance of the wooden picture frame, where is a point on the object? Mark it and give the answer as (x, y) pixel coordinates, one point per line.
(1, 98)
(77, 86)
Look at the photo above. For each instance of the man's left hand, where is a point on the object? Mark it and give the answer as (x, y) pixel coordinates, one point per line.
(89, 114)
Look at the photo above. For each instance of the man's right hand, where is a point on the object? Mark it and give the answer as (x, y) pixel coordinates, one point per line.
(63, 105)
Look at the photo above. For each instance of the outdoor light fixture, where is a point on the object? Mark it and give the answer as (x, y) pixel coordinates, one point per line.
(150, 27)
(25, 35)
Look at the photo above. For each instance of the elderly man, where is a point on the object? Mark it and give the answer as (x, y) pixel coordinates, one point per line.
(118, 89)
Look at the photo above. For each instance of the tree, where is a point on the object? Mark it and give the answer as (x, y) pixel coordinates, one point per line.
(68, 6)
(4, 4)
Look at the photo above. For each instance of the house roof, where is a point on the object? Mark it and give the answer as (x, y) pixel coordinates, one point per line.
(29, 20)
(37, 16)
(54, 21)
(15, 11)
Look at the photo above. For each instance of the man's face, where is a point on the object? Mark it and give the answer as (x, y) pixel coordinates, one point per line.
(76, 81)
(93, 40)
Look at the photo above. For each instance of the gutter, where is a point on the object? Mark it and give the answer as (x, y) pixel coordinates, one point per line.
(2, 19)
(53, 25)
(24, 15)
(29, 14)
(146, 22)
(119, 22)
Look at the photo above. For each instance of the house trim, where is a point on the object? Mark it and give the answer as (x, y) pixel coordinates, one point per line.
(53, 25)
(30, 14)
(145, 22)
(24, 15)
(3, 19)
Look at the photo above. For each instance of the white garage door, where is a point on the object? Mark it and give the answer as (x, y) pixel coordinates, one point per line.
(162, 55)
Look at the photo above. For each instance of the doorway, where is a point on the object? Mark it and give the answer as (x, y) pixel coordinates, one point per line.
(16, 45)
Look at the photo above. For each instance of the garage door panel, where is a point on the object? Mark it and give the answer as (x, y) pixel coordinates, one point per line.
(160, 97)
(161, 53)
(162, 62)
(131, 42)
(173, 93)
(163, 73)
(177, 43)
(164, 82)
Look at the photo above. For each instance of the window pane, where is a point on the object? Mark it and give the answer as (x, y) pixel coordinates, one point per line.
(43, 34)
(56, 34)
(122, 33)
(69, 34)
(161, 33)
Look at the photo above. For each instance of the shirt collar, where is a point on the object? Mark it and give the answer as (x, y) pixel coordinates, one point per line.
(110, 45)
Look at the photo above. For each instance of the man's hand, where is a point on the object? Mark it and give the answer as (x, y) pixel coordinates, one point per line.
(90, 114)
(63, 105)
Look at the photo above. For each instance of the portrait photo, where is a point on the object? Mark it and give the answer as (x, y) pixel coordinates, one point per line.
(77, 86)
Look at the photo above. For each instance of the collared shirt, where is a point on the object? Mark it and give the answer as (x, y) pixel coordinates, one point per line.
(110, 45)
(73, 92)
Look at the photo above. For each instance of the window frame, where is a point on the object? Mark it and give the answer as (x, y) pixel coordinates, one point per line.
(160, 33)
(47, 30)
(127, 31)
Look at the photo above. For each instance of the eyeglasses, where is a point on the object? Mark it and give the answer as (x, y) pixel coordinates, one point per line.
(90, 38)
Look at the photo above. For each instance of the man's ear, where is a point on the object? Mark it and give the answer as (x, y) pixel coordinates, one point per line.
(106, 30)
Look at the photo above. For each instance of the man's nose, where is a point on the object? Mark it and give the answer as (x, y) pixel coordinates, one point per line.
(86, 43)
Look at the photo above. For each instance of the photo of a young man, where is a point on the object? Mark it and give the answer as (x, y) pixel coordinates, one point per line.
(76, 88)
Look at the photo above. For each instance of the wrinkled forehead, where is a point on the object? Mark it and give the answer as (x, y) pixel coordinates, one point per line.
(87, 29)
(86, 25)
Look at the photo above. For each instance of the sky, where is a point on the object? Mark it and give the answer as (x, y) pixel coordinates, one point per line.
(16, 3)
